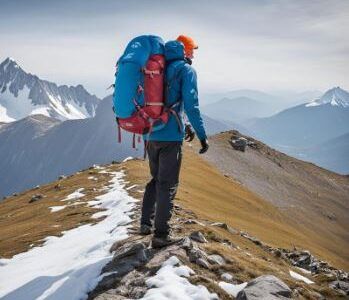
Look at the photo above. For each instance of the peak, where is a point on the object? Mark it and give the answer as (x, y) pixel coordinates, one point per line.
(9, 61)
(335, 96)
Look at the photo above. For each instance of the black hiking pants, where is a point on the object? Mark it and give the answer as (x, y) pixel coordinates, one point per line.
(165, 163)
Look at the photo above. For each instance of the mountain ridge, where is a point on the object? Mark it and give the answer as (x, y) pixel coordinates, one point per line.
(244, 236)
(23, 94)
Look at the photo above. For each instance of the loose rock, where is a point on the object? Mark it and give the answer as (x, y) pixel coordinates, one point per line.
(265, 287)
(216, 259)
(198, 236)
(35, 198)
(203, 263)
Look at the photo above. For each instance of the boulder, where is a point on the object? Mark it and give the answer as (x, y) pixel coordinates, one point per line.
(203, 263)
(216, 259)
(239, 143)
(227, 277)
(265, 287)
(198, 236)
(196, 253)
(35, 198)
(340, 286)
(187, 243)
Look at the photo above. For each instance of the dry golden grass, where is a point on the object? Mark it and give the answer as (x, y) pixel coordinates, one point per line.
(24, 224)
(213, 196)
(205, 191)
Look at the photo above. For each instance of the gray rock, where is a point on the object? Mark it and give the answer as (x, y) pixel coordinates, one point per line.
(198, 236)
(225, 226)
(35, 198)
(266, 287)
(196, 253)
(251, 238)
(340, 285)
(203, 263)
(187, 243)
(227, 277)
(216, 259)
(128, 250)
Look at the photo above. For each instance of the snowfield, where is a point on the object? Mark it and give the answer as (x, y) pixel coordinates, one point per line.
(68, 267)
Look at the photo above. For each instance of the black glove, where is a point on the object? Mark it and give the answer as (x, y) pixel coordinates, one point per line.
(204, 146)
(189, 133)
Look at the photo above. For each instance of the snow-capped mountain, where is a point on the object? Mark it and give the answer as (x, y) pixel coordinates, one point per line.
(307, 125)
(23, 94)
(335, 96)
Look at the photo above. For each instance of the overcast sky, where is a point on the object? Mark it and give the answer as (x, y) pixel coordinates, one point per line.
(260, 44)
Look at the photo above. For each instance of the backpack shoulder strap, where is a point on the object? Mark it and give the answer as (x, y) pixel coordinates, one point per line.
(176, 74)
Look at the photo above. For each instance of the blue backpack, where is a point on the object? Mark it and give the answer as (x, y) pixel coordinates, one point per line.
(139, 102)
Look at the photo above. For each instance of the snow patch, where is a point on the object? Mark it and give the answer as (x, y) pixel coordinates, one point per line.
(68, 267)
(76, 195)
(304, 270)
(13, 108)
(300, 277)
(232, 289)
(170, 282)
(57, 208)
(127, 158)
(131, 187)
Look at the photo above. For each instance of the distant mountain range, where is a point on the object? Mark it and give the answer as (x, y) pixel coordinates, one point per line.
(243, 104)
(23, 94)
(37, 149)
(237, 109)
(305, 127)
(332, 154)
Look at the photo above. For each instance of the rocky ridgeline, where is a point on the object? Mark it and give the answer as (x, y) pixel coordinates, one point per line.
(135, 261)
(305, 260)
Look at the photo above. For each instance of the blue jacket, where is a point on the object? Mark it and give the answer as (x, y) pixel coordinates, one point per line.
(181, 82)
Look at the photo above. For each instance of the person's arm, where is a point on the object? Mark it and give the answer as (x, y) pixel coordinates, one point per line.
(191, 101)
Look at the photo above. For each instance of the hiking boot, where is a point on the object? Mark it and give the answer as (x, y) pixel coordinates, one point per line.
(163, 241)
(145, 229)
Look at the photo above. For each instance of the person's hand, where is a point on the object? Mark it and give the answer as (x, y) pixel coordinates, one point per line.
(204, 146)
(189, 133)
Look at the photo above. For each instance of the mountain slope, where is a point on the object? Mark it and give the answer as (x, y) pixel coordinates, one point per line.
(34, 156)
(314, 200)
(332, 155)
(23, 94)
(106, 196)
(214, 126)
(307, 124)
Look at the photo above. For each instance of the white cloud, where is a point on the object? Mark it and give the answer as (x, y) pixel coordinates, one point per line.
(255, 44)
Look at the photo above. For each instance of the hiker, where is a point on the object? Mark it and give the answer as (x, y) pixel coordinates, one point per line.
(164, 147)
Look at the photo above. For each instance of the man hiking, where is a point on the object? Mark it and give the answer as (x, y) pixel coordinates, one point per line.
(164, 147)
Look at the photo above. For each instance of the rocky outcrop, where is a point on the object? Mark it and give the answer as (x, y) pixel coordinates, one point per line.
(265, 287)
(135, 263)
